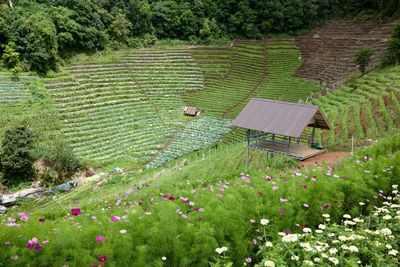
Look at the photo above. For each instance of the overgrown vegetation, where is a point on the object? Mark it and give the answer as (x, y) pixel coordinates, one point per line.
(154, 224)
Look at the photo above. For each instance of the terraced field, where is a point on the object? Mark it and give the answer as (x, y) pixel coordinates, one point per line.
(247, 69)
(197, 134)
(328, 51)
(12, 91)
(127, 108)
(131, 106)
(366, 109)
(25, 103)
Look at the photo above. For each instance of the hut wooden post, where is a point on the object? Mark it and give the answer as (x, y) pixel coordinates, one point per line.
(248, 150)
(313, 135)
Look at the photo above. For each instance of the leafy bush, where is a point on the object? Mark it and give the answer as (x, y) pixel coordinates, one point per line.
(16, 155)
(394, 46)
(362, 58)
(61, 164)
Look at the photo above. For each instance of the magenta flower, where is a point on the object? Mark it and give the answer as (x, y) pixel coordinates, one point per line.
(325, 206)
(102, 258)
(75, 212)
(185, 199)
(100, 239)
(305, 186)
(115, 219)
(34, 244)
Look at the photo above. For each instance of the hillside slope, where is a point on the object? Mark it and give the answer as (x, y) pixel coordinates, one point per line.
(328, 51)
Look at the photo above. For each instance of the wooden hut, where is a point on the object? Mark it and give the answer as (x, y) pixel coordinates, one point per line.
(278, 127)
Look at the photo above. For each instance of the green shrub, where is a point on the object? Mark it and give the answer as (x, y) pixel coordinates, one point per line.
(394, 46)
(363, 57)
(61, 164)
(16, 155)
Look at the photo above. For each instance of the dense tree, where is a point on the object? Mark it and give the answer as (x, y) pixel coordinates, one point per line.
(45, 31)
(394, 46)
(16, 157)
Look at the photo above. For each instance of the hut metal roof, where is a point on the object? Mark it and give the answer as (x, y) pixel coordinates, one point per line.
(278, 117)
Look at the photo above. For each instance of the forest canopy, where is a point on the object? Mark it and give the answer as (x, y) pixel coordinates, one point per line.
(43, 32)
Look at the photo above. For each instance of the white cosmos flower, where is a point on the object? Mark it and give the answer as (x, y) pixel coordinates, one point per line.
(347, 216)
(395, 186)
(317, 260)
(268, 244)
(393, 252)
(333, 260)
(387, 217)
(322, 226)
(290, 238)
(388, 246)
(349, 222)
(264, 221)
(386, 231)
(326, 215)
(269, 264)
(307, 230)
(308, 263)
(221, 250)
(333, 251)
(319, 231)
(361, 203)
(353, 249)
(294, 258)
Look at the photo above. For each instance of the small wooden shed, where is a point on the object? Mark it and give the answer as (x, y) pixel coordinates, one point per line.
(278, 127)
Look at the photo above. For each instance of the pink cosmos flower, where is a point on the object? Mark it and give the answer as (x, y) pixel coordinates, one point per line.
(283, 200)
(245, 179)
(305, 205)
(185, 199)
(191, 203)
(115, 219)
(100, 239)
(75, 212)
(102, 258)
(34, 244)
(24, 218)
(275, 187)
(193, 191)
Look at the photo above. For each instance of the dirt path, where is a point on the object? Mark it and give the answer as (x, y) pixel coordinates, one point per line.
(326, 157)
